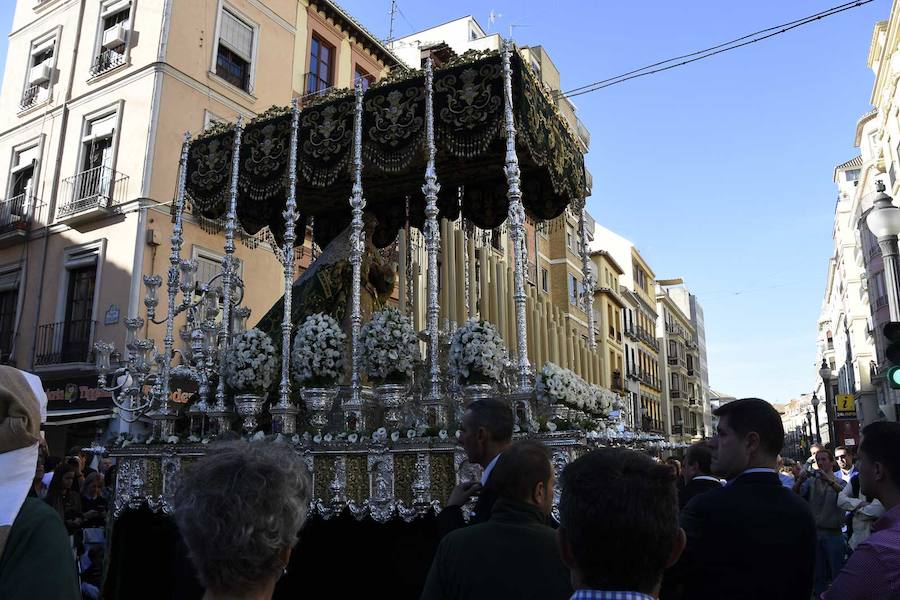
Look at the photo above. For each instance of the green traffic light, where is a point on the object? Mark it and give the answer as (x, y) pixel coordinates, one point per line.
(893, 376)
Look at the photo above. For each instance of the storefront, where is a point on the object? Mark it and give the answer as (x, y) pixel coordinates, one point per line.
(78, 412)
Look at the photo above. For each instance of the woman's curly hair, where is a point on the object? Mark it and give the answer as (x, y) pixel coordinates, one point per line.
(238, 508)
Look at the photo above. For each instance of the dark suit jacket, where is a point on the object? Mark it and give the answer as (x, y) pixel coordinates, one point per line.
(451, 517)
(750, 539)
(513, 555)
(695, 487)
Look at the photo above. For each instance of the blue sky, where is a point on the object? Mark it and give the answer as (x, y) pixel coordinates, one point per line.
(720, 171)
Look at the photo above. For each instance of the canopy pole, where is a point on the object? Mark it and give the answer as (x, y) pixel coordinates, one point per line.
(433, 402)
(221, 412)
(517, 224)
(357, 243)
(588, 285)
(283, 412)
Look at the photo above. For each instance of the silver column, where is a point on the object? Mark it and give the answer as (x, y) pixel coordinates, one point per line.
(588, 276)
(433, 399)
(516, 224)
(220, 411)
(357, 243)
(284, 413)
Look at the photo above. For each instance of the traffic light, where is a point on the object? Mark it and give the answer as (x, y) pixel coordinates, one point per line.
(892, 352)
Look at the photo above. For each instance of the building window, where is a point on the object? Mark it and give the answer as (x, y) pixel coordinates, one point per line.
(22, 187)
(545, 280)
(364, 77)
(853, 175)
(234, 55)
(95, 175)
(39, 75)
(112, 43)
(573, 289)
(880, 298)
(9, 297)
(321, 66)
(209, 265)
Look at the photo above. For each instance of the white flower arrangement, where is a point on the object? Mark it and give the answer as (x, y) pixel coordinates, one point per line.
(556, 385)
(477, 352)
(251, 363)
(318, 355)
(390, 347)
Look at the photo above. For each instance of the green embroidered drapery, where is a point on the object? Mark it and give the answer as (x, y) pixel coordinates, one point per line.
(471, 152)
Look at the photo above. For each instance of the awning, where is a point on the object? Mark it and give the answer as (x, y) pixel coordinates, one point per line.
(77, 415)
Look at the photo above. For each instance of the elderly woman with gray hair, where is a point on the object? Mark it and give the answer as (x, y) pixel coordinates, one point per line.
(240, 509)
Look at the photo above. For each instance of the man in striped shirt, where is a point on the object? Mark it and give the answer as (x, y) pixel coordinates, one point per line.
(618, 527)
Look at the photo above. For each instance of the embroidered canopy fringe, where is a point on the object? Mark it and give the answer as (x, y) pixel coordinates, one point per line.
(469, 129)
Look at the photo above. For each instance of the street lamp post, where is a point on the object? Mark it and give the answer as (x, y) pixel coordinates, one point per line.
(825, 374)
(815, 410)
(884, 223)
(809, 429)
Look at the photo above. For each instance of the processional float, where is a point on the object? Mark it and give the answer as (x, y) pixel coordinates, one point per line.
(486, 125)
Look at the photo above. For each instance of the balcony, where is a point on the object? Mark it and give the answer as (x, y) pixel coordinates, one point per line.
(678, 429)
(676, 394)
(631, 332)
(15, 219)
(65, 342)
(107, 60)
(633, 373)
(32, 96)
(91, 194)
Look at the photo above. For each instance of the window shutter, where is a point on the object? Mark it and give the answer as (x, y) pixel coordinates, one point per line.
(236, 35)
(102, 127)
(114, 7)
(43, 46)
(25, 158)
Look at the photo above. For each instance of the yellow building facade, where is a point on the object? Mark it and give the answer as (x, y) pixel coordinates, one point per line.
(679, 358)
(652, 403)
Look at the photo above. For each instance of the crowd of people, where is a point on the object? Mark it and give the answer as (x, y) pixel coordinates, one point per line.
(730, 521)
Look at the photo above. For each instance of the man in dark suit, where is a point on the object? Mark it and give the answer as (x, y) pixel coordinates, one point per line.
(514, 554)
(740, 537)
(485, 432)
(698, 476)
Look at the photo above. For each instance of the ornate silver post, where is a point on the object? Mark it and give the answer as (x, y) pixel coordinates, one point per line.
(433, 401)
(284, 415)
(357, 241)
(165, 413)
(221, 412)
(588, 275)
(516, 223)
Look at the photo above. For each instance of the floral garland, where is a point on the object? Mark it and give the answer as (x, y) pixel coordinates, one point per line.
(251, 363)
(477, 352)
(317, 358)
(390, 348)
(556, 385)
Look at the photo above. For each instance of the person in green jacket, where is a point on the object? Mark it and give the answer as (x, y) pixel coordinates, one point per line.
(36, 560)
(514, 554)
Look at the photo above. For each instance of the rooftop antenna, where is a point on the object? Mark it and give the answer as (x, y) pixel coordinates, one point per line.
(393, 13)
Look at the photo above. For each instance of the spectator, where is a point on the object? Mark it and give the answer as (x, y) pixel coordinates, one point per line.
(821, 491)
(739, 537)
(811, 464)
(105, 463)
(873, 570)
(864, 512)
(240, 509)
(84, 460)
(676, 466)
(618, 524)
(50, 464)
(514, 554)
(697, 473)
(843, 456)
(485, 432)
(37, 489)
(64, 498)
(93, 504)
(36, 560)
(787, 479)
(109, 483)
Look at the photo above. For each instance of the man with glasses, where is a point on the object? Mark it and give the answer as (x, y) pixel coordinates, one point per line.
(844, 458)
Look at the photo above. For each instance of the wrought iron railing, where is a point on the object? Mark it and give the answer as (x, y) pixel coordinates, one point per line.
(99, 187)
(16, 212)
(31, 96)
(65, 342)
(107, 60)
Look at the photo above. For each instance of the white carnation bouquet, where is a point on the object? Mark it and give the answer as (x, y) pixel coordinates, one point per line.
(390, 348)
(477, 352)
(251, 362)
(556, 385)
(317, 358)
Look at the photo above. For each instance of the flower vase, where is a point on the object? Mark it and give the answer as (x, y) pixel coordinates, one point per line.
(390, 397)
(478, 391)
(319, 401)
(248, 407)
